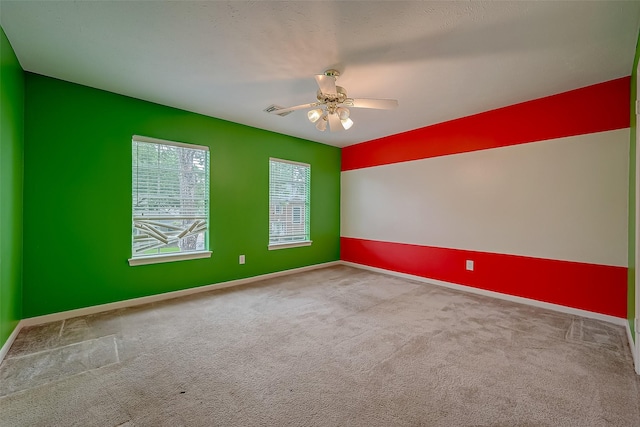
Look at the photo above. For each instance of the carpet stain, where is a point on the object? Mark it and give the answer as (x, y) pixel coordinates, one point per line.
(26, 371)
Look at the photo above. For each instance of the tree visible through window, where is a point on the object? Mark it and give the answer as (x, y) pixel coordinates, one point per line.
(170, 197)
(289, 188)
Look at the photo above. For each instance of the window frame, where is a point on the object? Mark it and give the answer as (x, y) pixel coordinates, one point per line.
(173, 256)
(304, 210)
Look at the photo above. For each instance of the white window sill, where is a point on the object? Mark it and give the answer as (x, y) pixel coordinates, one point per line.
(275, 246)
(157, 259)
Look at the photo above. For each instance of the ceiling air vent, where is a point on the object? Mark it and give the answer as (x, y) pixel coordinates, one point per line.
(271, 108)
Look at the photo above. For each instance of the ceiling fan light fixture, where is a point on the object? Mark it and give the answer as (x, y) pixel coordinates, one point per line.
(330, 110)
(314, 115)
(322, 124)
(347, 123)
(343, 113)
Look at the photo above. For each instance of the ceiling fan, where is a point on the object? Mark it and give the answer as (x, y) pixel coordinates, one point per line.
(332, 102)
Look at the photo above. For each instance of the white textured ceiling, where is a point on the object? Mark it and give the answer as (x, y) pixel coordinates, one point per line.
(230, 60)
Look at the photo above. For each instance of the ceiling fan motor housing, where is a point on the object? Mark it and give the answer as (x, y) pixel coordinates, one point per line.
(336, 98)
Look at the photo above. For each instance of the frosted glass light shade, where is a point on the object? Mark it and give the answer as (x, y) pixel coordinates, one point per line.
(343, 113)
(347, 123)
(321, 125)
(314, 115)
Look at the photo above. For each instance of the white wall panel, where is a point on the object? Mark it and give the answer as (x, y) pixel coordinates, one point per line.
(561, 199)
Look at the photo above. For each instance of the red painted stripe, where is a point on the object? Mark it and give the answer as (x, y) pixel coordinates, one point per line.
(597, 108)
(592, 287)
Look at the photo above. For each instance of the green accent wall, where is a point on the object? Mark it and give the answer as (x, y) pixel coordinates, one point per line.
(631, 287)
(11, 173)
(77, 198)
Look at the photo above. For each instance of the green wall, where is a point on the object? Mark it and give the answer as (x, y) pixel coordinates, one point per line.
(631, 289)
(77, 198)
(11, 172)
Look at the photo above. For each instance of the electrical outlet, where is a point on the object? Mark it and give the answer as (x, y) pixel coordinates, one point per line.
(469, 265)
(241, 259)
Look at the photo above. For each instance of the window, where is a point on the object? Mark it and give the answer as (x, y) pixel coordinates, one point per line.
(296, 215)
(289, 188)
(170, 201)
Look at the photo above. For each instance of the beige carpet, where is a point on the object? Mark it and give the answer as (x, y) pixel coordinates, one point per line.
(332, 347)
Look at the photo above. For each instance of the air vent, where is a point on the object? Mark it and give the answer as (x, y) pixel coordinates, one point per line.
(271, 108)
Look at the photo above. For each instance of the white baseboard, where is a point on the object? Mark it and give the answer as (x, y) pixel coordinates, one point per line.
(632, 345)
(7, 345)
(549, 306)
(54, 317)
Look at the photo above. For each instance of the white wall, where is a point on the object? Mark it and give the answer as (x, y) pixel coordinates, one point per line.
(562, 199)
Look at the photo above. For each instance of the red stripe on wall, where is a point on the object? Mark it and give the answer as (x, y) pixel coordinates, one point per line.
(597, 108)
(596, 288)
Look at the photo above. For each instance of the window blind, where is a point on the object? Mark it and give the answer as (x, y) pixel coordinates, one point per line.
(289, 188)
(170, 197)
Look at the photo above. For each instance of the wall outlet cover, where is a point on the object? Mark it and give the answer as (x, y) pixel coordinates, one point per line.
(469, 265)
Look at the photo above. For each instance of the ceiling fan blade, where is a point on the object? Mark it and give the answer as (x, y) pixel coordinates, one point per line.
(297, 107)
(327, 84)
(334, 122)
(380, 104)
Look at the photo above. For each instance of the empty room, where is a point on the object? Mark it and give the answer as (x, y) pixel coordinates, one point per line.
(319, 213)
